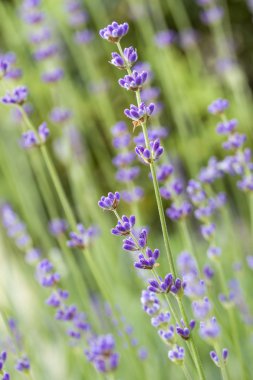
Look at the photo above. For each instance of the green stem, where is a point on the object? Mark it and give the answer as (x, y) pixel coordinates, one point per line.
(191, 344)
(186, 372)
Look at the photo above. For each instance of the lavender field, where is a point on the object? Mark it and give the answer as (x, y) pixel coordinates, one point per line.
(126, 192)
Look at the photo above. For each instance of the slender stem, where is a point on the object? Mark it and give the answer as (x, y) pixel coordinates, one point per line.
(191, 344)
(186, 372)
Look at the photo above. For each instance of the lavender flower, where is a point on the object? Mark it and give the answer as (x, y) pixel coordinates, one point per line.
(129, 58)
(139, 114)
(57, 297)
(150, 155)
(110, 202)
(45, 274)
(218, 106)
(18, 96)
(23, 364)
(150, 302)
(114, 32)
(164, 286)
(185, 331)
(209, 330)
(58, 227)
(161, 319)
(53, 75)
(100, 353)
(215, 357)
(212, 15)
(177, 355)
(147, 261)
(30, 139)
(134, 81)
(60, 115)
(201, 308)
(138, 243)
(82, 238)
(179, 212)
(124, 226)
(165, 38)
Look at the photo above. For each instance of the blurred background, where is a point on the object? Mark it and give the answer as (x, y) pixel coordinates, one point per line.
(194, 53)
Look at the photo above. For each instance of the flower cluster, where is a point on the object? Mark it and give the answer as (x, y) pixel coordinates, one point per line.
(77, 20)
(3, 358)
(31, 139)
(123, 161)
(41, 37)
(83, 237)
(101, 353)
(211, 13)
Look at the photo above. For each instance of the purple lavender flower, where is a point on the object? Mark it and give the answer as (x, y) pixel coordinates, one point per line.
(83, 37)
(209, 329)
(23, 365)
(201, 308)
(188, 38)
(168, 334)
(58, 227)
(3, 358)
(164, 286)
(83, 237)
(134, 81)
(185, 331)
(137, 244)
(100, 353)
(218, 106)
(177, 355)
(17, 96)
(234, 141)
(127, 174)
(208, 272)
(132, 195)
(150, 155)
(150, 302)
(60, 115)
(32, 255)
(250, 261)
(53, 75)
(216, 359)
(164, 171)
(66, 313)
(226, 127)
(57, 297)
(139, 114)
(211, 172)
(175, 212)
(161, 319)
(165, 38)
(45, 274)
(41, 36)
(208, 231)
(110, 202)
(129, 58)
(124, 226)
(45, 52)
(213, 252)
(114, 32)
(212, 15)
(123, 159)
(121, 135)
(30, 139)
(147, 261)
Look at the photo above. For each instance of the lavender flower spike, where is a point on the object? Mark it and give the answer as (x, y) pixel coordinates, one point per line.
(218, 106)
(151, 155)
(124, 226)
(110, 202)
(114, 32)
(139, 114)
(17, 96)
(177, 355)
(130, 57)
(134, 81)
(147, 261)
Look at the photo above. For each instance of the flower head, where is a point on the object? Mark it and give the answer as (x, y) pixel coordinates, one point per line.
(17, 96)
(110, 202)
(114, 31)
(139, 114)
(129, 58)
(218, 106)
(134, 81)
